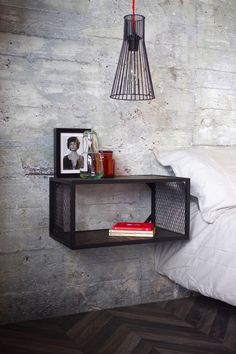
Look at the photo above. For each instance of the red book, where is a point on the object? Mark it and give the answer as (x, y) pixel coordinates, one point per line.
(134, 226)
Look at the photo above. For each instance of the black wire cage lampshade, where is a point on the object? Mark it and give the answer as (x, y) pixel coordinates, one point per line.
(133, 80)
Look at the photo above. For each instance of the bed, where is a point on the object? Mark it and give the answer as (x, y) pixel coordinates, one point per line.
(207, 262)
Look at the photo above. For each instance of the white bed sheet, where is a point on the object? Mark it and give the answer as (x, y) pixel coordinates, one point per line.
(207, 262)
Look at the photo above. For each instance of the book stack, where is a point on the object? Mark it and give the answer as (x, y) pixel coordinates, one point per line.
(133, 229)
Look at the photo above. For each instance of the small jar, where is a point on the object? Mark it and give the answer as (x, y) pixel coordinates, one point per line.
(108, 163)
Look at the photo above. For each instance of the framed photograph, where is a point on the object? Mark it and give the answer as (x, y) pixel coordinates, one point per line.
(68, 152)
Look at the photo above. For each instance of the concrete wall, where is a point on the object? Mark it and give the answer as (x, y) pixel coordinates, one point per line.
(58, 60)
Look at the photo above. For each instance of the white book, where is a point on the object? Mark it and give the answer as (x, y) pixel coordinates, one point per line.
(130, 233)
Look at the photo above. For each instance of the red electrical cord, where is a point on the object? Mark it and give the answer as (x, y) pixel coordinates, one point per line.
(133, 16)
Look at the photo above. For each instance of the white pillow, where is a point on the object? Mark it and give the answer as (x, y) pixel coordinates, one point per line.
(214, 190)
(226, 158)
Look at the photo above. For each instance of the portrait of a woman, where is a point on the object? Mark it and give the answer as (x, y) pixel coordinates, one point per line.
(73, 161)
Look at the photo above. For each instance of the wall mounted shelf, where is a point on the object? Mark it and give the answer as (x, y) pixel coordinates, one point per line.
(170, 208)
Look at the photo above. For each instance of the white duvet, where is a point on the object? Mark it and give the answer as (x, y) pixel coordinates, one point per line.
(207, 262)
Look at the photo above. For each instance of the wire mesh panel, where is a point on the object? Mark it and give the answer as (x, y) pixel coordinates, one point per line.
(170, 206)
(62, 208)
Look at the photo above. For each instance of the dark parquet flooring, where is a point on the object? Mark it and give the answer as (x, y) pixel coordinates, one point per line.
(192, 325)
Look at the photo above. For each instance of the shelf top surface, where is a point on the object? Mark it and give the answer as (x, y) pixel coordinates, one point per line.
(121, 179)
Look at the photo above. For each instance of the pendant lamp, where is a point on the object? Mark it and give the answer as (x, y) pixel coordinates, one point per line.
(133, 80)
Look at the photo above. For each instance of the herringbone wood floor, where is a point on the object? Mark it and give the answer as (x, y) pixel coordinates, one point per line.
(192, 325)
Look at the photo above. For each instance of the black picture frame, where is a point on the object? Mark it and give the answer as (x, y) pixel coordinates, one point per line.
(61, 136)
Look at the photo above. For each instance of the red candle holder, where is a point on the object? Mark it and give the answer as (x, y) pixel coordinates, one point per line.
(108, 163)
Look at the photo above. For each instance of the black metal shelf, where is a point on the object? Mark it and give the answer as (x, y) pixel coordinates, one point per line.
(169, 198)
(100, 238)
(120, 179)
